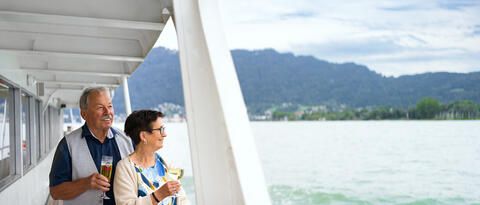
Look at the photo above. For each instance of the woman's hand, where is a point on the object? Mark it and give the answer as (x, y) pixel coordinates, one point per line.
(168, 189)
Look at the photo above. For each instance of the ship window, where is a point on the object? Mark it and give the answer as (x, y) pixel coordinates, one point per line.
(46, 125)
(53, 127)
(37, 130)
(25, 131)
(6, 165)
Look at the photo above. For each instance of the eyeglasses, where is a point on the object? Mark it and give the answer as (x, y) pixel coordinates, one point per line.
(161, 129)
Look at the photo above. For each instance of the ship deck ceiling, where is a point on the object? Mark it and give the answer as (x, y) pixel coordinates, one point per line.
(68, 45)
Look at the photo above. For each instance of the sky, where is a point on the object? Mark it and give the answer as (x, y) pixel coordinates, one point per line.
(392, 38)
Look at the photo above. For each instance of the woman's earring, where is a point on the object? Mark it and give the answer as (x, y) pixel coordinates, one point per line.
(145, 142)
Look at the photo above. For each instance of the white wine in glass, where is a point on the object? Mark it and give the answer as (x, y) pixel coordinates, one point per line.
(106, 170)
(175, 173)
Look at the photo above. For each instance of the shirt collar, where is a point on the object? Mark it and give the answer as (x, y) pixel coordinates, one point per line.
(87, 132)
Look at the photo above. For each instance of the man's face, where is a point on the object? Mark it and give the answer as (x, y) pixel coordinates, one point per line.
(99, 113)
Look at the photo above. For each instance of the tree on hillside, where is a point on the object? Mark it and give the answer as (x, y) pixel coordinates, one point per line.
(466, 109)
(427, 108)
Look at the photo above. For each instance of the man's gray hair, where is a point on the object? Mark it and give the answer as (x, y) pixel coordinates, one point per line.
(84, 97)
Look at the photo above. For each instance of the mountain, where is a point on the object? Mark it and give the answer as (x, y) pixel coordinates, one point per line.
(268, 77)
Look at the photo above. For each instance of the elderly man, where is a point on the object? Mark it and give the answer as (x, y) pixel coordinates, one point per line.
(74, 176)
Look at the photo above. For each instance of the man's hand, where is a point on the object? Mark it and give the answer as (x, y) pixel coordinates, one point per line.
(98, 181)
(70, 190)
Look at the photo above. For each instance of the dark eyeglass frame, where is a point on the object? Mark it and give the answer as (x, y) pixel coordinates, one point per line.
(161, 129)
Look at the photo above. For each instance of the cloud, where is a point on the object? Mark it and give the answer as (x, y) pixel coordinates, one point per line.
(350, 47)
(476, 30)
(457, 4)
(391, 37)
(394, 55)
(168, 37)
(398, 6)
(421, 62)
(298, 14)
(395, 62)
(409, 7)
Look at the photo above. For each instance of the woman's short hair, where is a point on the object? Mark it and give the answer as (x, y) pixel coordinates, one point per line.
(140, 121)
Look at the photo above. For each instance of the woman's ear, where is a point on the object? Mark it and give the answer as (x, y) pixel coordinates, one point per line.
(143, 137)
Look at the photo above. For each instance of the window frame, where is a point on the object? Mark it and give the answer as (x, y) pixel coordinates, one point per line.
(11, 112)
(39, 130)
(28, 131)
(39, 138)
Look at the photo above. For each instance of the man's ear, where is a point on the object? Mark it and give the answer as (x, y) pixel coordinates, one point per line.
(83, 113)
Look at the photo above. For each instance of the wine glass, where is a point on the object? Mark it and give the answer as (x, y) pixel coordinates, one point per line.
(175, 174)
(106, 170)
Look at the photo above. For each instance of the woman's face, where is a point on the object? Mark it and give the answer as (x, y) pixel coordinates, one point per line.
(155, 138)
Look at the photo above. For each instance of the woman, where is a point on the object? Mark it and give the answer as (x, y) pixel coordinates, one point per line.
(141, 178)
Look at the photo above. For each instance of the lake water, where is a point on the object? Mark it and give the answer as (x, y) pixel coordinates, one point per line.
(359, 162)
